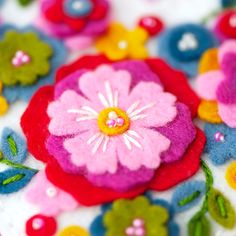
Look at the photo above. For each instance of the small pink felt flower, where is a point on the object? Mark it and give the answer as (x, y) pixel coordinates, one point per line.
(113, 123)
(50, 199)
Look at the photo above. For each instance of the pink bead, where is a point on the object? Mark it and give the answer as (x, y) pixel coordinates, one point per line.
(130, 231)
(219, 137)
(138, 222)
(37, 223)
(140, 232)
(120, 121)
(15, 61)
(25, 59)
(111, 123)
(19, 54)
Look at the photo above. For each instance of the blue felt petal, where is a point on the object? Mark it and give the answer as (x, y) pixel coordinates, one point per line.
(15, 186)
(85, 8)
(228, 3)
(167, 47)
(173, 229)
(220, 152)
(165, 204)
(97, 228)
(25, 93)
(20, 144)
(185, 190)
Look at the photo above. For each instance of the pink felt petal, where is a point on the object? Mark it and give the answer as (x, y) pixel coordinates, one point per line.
(148, 154)
(207, 84)
(162, 110)
(64, 122)
(228, 114)
(228, 46)
(50, 206)
(82, 153)
(78, 42)
(93, 83)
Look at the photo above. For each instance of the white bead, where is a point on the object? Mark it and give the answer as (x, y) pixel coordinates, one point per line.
(51, 192)
(37, 223)
(19, 53)
(123, 44)
(188, 41)
(77, 5)
(112, 115)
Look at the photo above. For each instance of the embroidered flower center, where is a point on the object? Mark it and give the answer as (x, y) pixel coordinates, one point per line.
(113, 121)
(78, 8)
(187, 42)
(20, 58)
(136, 229)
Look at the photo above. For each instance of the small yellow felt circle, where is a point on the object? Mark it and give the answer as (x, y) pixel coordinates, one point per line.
(209, 61)
(3, 105)
(208, 111)
(231, 175)
(73, 231)
(111, 131)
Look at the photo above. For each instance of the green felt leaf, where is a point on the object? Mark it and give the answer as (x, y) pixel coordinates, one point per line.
(199, 226)
(221, 209)
(25, 2)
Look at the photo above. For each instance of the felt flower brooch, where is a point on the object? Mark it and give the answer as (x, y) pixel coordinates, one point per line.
(138, 217)
(76, 21)
(225, 26)
(217, 86)
(183, 45)
(103, 138)
(119, 43)
(28, 61)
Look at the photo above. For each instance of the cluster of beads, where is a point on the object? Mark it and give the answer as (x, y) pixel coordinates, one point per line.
(20, 58)
(219, 137)
(187, 42)
(114, 120)
(136, 229)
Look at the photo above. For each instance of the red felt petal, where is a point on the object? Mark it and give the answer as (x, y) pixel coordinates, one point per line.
(34, 123)
(175, 82)
(75, 23)
(54, 13)
(82, 190)
(99, 11)
(40, 225)
(169, 175)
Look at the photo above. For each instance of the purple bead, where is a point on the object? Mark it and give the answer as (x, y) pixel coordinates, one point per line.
(111, 123)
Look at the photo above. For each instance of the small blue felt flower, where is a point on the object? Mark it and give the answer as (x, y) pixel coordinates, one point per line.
(13, 93)
(221, 143)
(183, 45)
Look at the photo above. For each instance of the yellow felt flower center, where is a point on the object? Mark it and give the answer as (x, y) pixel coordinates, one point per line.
(113, 121)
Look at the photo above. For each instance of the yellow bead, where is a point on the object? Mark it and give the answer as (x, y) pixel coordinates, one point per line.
(231, 175)
(208, 111)
(73, 231)
(3, 105)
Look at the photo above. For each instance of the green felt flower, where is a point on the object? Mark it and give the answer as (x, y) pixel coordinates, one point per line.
(128, 216)
(24, 57)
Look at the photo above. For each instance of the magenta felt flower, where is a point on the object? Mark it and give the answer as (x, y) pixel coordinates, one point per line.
(112, 123)
(50, 199)
(220, 85)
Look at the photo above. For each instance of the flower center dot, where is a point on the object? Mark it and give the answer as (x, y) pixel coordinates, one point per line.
(219, 137)
(20, 58)
(136, 229)
(232, 21)
(187, 42)
(51, 192)
(37, 223)
(123, 44)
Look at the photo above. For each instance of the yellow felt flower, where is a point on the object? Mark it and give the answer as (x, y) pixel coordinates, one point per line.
(3, 102)
(73, 230)
(231, 175)
(208, 111)
(120, 43)
(209, 61)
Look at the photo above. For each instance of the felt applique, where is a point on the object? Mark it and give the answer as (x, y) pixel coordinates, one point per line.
(25, 2)
(228, 3)
(225, 26)
(73, 230)
(183, 45)
(13, 152)
(39, 225)
(78, 22)
(217, 88)
(218, 206)
(119, 43)
(221, 143)
(3, 102)
(50, 199)
(25, 69)
(102, 113)
(230, 175)
(138, 217)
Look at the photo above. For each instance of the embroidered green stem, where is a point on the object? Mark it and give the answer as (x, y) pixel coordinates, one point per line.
(12, 145)
(13, 179)
(198, 229)
(11, 164)
(189, 199)
(221, 205)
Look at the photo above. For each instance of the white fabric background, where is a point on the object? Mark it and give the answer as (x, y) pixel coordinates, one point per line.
(14, 210)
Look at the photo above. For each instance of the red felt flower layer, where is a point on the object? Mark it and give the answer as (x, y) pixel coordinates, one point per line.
(35, 122)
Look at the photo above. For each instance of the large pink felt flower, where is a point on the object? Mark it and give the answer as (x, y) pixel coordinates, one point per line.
(112, 123)
(220, 85)
(50, 199)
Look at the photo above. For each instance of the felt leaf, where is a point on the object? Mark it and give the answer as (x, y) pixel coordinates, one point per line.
(12, 180)
(199, 226)
(13, 146)
(25, 2)
(187, 195)
(221, 209)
